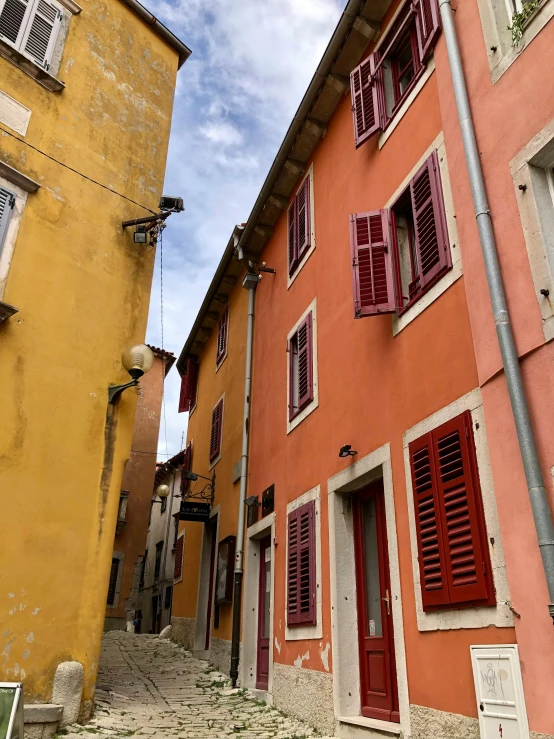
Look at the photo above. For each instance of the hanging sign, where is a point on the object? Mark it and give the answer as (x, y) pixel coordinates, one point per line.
(11, 710)
(192, 511)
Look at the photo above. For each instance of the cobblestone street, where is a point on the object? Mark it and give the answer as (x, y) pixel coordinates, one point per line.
(153, 688)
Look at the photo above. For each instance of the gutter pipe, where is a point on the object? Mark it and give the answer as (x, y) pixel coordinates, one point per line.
(169, 37)
(249, 282)
(510, 359)
(166, 546)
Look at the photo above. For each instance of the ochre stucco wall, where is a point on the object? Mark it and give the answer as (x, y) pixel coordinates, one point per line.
(82, 288)
(228, 379)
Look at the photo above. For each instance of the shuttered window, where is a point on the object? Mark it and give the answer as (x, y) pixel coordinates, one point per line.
(299, 226)
(187, 466)
(189, 384)
(215, 436)
(31, 27)
(399, 253)
(113, 581)
(222, 334)
(301, 569)
(301, 370)
(453, 554)
(168, 597)
(179, 550)
(158, 561)
(381, 83)
(7, 202)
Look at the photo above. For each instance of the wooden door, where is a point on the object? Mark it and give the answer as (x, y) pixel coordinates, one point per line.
(213, 542)
(379, 693)
(264, 599)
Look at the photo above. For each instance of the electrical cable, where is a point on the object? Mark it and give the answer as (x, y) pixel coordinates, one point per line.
(95, 182)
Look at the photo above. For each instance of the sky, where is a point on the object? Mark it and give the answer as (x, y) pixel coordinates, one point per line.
(251, 63)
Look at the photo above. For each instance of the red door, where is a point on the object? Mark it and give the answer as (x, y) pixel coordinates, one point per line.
(375, 629)
(213, 534)
(262, 663)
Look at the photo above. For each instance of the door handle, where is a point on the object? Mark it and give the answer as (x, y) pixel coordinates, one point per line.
(387, 601)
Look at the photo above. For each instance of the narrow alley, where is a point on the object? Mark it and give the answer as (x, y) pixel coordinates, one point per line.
(151, 687)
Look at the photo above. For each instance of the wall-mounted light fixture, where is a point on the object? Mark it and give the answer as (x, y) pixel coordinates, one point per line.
(147, 229)
(347, 451)
(162, 491)
(137, 360)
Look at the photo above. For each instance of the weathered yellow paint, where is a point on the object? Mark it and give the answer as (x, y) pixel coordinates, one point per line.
(229, 379)
(82, 288)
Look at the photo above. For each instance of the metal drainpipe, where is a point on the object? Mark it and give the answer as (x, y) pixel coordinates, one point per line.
(169, 510)
(510, 359)
(249, 282)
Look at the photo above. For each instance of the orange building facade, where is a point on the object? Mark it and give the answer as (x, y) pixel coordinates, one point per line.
(394, 585)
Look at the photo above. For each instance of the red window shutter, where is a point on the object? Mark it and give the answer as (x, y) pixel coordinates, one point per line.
(178, 571)
(301, 570)
(301, 367)
(372, 268)
(427, 25)
(222, 335)
(189, 381)
(465, 545)
(292, 240)
(365, 88)
(432, 568)
(187, 466)
(303, 218)
(433, 251)
(215, 438)
(453, 553)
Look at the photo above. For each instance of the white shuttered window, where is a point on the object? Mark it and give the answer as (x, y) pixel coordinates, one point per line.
(31, 27)
(7, 201)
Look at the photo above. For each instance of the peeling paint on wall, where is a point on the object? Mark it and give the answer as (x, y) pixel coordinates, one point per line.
(302, 658)
(325, 656)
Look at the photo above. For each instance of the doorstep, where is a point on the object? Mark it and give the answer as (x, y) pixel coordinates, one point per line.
(359, 727)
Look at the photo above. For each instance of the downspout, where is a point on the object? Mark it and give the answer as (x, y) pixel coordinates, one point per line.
(250, 282)
(166, 545)
(510, 359)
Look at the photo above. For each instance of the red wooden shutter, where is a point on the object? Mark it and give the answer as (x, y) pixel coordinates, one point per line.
(303, 218)
(222, 335)
(372, 269)
(305, 363)
(301, 571)
(178, 570)
(432, 569)
(292, 240)
(366, 110)
(427, 25)
(215, 438)
(432, 247)
(466, 552)
(189, 381)
(187, 466)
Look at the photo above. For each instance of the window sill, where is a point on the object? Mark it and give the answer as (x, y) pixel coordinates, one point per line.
(301, 415)
(43, 77)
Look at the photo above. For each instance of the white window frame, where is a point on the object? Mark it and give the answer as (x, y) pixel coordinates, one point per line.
(310, 174)
(292, 424)
(25, 28)
(10, 237)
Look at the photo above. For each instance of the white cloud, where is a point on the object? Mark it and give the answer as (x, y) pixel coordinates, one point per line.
(251, 63)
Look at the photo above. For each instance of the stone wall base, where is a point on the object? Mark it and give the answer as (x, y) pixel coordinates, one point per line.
(115, 624)
(305, 694)
(183, 631)
(428, 723)
(220, 654)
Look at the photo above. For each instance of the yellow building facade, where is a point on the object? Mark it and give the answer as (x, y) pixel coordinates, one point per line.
(84, 129)
(198, 622)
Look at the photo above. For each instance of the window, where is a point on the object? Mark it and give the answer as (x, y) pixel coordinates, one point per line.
(222, 335)
(176, 531)
(301, 385)
(299, 226)
(381, 83)
(31, 27)
(168, 596)
(150, 514)
(301, 566)
(178, 570)
(143, 569)
(113, 581)
(7, 202)
(163, 506)
(187, 467)
(216, 432)
(453, 553)
(158, 564)
(189, 383)
(399, 253)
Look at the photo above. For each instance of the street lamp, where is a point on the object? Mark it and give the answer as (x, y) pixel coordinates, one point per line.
(162, 491)
(137, 360)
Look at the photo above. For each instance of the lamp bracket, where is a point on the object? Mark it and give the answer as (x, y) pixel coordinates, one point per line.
(114, 391)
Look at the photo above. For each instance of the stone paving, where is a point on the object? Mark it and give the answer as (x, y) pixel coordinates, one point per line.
(152, 688)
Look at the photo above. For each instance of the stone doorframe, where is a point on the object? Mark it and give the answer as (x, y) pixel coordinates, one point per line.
(344, 617)
(249, 647)
(203, 579)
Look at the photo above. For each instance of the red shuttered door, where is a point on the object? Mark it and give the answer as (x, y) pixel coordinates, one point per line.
(379, 694)
(372, 270)
(264, 594)
(301, 585)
